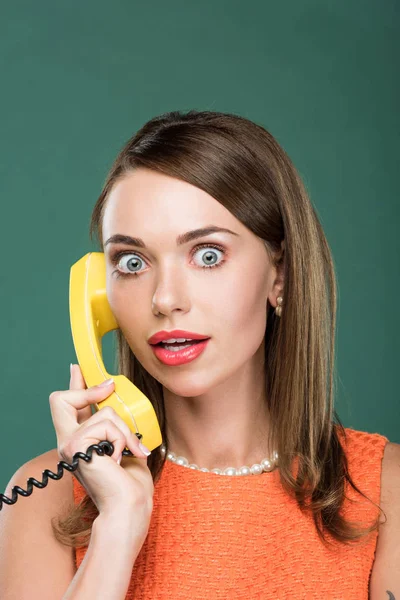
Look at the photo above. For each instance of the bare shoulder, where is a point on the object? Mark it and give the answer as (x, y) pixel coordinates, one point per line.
(28, 544)
(386, 569)
(56, 490)
(390, 478)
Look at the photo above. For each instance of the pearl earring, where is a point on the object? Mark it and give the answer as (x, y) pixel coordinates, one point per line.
(278, 309)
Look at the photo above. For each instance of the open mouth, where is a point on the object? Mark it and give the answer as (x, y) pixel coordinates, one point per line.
(179, 353)
(179, 345)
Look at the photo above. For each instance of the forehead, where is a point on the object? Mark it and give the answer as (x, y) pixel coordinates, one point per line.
(146, 201)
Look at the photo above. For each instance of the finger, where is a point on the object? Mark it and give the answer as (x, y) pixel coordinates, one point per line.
(109, 413)
(65, 404)
(77, 382)
(103, 430)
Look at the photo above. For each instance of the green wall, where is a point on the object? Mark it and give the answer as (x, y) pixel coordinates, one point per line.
(77, 79)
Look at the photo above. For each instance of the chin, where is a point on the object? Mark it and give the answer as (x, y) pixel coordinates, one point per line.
(186, 385)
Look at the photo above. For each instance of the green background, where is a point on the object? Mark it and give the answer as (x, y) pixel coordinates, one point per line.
(78, 79)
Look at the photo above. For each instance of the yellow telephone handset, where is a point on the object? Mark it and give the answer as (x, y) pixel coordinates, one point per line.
(91, 318)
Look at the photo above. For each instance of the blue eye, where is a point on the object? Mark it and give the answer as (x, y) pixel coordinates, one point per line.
(131, 263)
(210, 255)
(134, 263)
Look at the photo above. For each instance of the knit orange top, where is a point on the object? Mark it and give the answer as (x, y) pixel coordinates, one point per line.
(215, 537)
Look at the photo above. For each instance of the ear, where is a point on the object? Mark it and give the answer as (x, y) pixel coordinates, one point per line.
(278, 281)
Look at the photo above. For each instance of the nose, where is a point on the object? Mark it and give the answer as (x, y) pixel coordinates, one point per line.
(171, 292)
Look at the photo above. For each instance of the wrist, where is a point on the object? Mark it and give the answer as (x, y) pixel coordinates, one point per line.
(118, 528)
(117, 519)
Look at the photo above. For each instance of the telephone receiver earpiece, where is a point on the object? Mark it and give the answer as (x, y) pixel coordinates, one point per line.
(91, 318)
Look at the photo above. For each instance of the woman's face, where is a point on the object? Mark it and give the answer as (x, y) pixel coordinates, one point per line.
(172, 286)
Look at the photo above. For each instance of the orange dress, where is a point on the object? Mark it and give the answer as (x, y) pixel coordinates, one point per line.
(214, 537)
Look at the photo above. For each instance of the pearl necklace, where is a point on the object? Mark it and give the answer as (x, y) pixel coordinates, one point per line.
(266, 465)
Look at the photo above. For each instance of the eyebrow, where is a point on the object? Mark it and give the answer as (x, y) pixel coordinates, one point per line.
(119, 238)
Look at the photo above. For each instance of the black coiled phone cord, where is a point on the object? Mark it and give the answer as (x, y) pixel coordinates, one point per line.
(101, 448)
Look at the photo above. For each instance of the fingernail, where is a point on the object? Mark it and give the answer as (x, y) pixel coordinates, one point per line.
(119, 459)
(107, 382)
(70, 368)
(143, 448)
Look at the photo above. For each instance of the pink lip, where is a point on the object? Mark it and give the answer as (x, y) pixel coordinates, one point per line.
(180, 357)
(175, 333)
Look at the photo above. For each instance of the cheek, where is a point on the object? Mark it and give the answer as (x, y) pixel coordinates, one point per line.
(128, 314)
(247, 318)
(243, 316)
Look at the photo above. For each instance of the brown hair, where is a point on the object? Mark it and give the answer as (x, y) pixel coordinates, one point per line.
(241, 165)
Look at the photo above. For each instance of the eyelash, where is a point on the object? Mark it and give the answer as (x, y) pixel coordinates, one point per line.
(118, 255)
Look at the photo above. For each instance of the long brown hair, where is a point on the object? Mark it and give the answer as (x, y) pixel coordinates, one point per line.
(242, 166)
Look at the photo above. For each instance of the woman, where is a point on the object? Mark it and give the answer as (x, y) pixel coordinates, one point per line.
(208, 232)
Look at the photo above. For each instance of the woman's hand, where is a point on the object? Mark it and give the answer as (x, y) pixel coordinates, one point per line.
(111, 486)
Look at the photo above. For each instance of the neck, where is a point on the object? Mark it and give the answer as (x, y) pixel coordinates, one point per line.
(226, 426)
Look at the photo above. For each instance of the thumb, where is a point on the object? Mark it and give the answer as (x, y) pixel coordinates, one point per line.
(77, 382)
